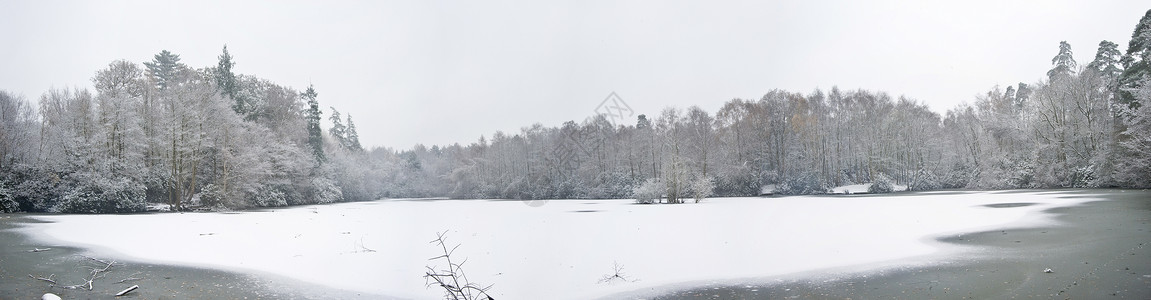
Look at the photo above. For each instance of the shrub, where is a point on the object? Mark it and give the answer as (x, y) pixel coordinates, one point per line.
(102, 195)
(8, 202)
(211, 196)
(957, 177)
(649, 192)
(881, 184)
(701, 188)
(801, 184)
(267, 196)
(325, 190)
(925, 180)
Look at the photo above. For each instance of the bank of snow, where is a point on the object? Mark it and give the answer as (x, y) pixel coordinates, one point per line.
(559, 250)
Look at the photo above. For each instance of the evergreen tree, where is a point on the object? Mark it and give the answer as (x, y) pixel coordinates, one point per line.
(227, 84)
(338, 129)
(312, 117)
(353, 138)
(1106, 62)
(1064, 62)
(163, 68)
(1137, 70)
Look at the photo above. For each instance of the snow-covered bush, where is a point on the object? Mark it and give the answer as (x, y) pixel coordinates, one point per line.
(649, 192)
(881, 184)
(958, 176)
(805, 183)
(701, 188)
(103, 195)
(8, 202)
(267, 196)
(924, 180)
(211, 195)
(325, 190)
(1081, 177)
(1022, 175)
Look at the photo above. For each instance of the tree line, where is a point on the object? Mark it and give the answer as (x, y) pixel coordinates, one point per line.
(163, 132)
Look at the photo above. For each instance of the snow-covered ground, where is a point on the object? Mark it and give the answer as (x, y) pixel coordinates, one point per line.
(559, 250)
(862, 188)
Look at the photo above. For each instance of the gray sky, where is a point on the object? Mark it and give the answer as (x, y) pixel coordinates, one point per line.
(436, 72)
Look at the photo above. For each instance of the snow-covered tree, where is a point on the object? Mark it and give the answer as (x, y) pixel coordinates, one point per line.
(164, 68)
(312, 116)
(18, 130)
(352, 136)
(1063, 64)
(338, 130)
(229, 85)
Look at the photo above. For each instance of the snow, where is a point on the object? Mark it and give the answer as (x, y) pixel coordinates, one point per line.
(559, 250)
(862, 188)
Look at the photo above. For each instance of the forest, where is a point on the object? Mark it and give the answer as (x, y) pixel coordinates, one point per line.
(207, 138)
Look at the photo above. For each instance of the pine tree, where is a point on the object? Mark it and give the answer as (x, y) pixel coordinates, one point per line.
(163, 68)
(338, 130)
(312, 117)
(353, 138)
(1106, 62)
(1137, 70)
(1064, 62)
(227, 84)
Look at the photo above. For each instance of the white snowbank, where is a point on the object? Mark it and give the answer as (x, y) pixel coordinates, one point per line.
(555, 251)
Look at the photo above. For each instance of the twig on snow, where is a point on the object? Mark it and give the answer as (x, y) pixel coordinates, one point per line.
(617, 275)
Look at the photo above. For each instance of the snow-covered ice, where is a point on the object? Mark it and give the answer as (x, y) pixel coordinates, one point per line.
(559, 250)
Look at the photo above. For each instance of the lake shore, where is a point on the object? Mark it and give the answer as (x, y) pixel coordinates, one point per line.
(67, 266)
(1100, 250)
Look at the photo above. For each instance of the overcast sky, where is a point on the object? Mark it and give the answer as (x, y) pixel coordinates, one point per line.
(435, 72)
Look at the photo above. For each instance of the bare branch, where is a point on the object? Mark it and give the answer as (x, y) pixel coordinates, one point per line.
(48, 279)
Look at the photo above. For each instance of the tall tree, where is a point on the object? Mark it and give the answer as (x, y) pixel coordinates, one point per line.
(227, 83)
(1137, 68)
(352, 137)
(164, 68)
(1063, 63)
(312, 116)
(17, 130)
(1106, 62)
(338, 131)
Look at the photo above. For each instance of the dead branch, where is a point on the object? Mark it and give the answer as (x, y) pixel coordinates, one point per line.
(453, 279)
(361, 248)
(95, 274)
(127, 290)
(617, 275)
(48, 279)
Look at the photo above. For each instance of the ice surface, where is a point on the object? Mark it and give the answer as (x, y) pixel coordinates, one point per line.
(558, 250)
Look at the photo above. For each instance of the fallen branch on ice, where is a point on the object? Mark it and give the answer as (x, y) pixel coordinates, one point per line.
(39, 249)
(127, 290)
(95, 274)
(48, 279)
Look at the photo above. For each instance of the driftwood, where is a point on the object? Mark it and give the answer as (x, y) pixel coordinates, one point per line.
(127, 290)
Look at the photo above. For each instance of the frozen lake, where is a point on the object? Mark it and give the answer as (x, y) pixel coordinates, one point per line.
(561, 249)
